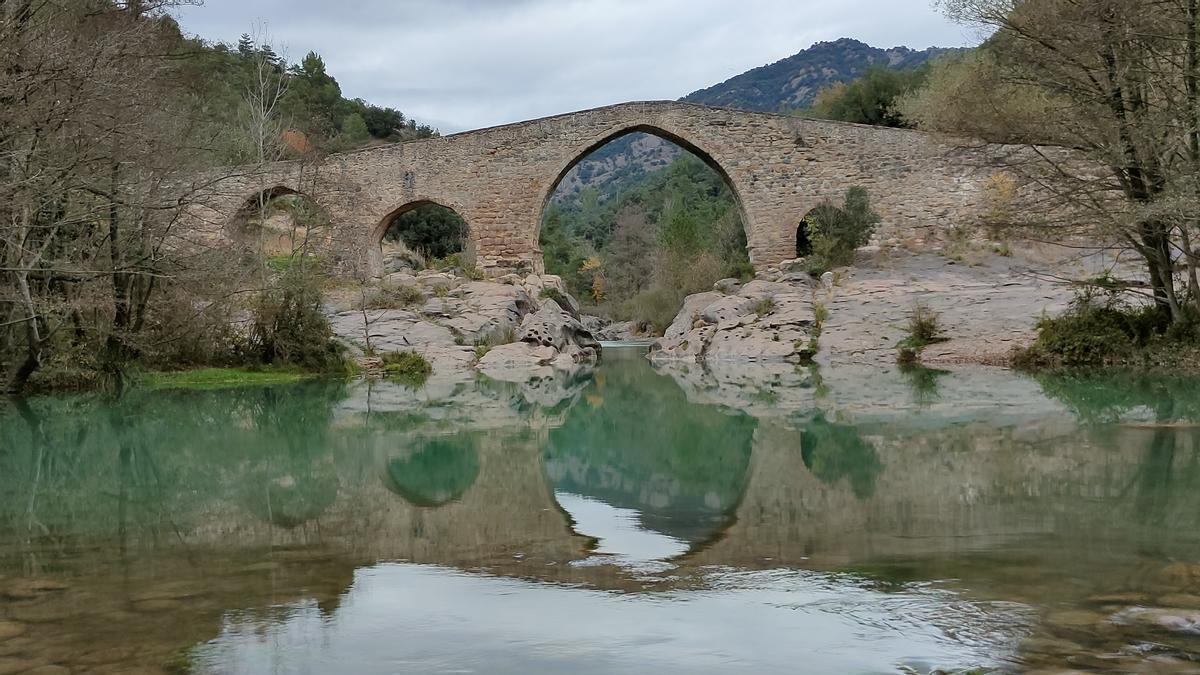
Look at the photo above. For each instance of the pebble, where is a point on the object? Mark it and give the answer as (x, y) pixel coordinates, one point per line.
(10, 630)
(12, 666)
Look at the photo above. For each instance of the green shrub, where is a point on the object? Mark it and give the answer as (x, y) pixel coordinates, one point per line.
(834, 233)
(653, 310)
(1091, 334)
(408, 367)
(923, 330)
(290, 327)
(389, 297)
(764, 306)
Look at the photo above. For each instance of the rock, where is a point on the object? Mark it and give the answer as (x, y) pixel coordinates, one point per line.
(400, 280)
(1180, 600)
(728, 286)
(746, 344)
(518, 362)
(1174, 619)
(759, 289)
(49, 670)
(12, 666)
(552, 327)
(827, 280)
(624, 331)
(10, 630)
(725, 308)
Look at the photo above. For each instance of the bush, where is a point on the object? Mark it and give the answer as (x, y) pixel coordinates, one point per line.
(652, 310)
(408, 367)
(389, 297)
(835, 233)
(1094, 334)
(923, 330)
(290, 329)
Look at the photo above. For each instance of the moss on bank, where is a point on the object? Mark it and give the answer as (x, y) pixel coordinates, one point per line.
(223, 378)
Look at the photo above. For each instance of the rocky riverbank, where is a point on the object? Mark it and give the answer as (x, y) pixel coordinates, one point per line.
(511, 329)
(986, 304)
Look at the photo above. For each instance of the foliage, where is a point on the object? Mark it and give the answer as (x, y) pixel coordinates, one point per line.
(1118, 82)
(793, 82)
(870, 99)
(408, 367)
(835, 233)
(923, 329)
(222, 378)
(431, 230)
(391, 297)
(1103, 331)
(96, 279)
(639, 252)
(290, 328)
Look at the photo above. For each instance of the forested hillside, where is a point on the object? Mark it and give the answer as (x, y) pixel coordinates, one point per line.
(794, 82)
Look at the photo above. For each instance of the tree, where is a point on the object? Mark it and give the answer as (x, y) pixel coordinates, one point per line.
(870, 99)
(354, 129)
(1122, 78)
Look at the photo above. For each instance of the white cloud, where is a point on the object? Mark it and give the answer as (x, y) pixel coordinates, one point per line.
(463, 64)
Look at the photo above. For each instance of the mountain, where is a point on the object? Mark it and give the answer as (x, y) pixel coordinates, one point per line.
(794, 82)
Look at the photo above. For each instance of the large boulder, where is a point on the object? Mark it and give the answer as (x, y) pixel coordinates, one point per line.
(550, 326)
(763, 322)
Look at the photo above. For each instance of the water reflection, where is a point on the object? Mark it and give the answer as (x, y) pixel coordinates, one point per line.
(857, 524)
(647, 473)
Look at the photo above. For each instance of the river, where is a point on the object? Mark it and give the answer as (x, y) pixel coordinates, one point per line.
(627, 520)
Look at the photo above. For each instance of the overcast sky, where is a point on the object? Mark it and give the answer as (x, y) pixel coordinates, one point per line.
(465, 64)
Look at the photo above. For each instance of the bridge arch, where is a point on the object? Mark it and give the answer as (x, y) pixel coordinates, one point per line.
(652, 130)
(380, 231)
(304, 214)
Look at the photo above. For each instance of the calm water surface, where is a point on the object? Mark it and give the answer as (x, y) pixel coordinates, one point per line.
(762, 520)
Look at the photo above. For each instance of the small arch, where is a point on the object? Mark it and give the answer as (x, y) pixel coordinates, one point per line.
(424, 229)
(279, 221)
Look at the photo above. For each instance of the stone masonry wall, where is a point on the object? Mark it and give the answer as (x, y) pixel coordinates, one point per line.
(499, 179)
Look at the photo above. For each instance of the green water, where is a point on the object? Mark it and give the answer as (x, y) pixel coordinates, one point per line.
(757, 519)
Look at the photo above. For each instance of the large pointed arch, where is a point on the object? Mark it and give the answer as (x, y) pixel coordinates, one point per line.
(652, 130)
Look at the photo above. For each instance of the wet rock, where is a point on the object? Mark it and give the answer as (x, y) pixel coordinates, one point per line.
(49, 670)
(13, 665)
(1075, 618)
(26, 589)
(1188, 600)
(1174, 619)
(10, 630)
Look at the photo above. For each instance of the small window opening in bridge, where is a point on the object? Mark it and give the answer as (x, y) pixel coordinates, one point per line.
(426, 235)
(281, 224)
(638, 223)
(803, 245)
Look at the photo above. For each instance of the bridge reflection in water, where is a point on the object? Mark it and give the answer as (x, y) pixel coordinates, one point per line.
(943, 524)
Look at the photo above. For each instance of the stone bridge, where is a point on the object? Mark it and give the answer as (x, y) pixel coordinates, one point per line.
(500, 179)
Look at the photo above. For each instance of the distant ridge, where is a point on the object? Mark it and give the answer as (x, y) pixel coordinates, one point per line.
(794, 81)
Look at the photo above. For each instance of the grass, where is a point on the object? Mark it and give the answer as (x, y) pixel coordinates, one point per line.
(923, 330)
(222, 378)
(409, 367)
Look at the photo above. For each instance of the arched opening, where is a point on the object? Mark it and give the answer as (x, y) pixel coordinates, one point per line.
(424, 234)
(279, 224)
(640, 220)
(652, 491)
